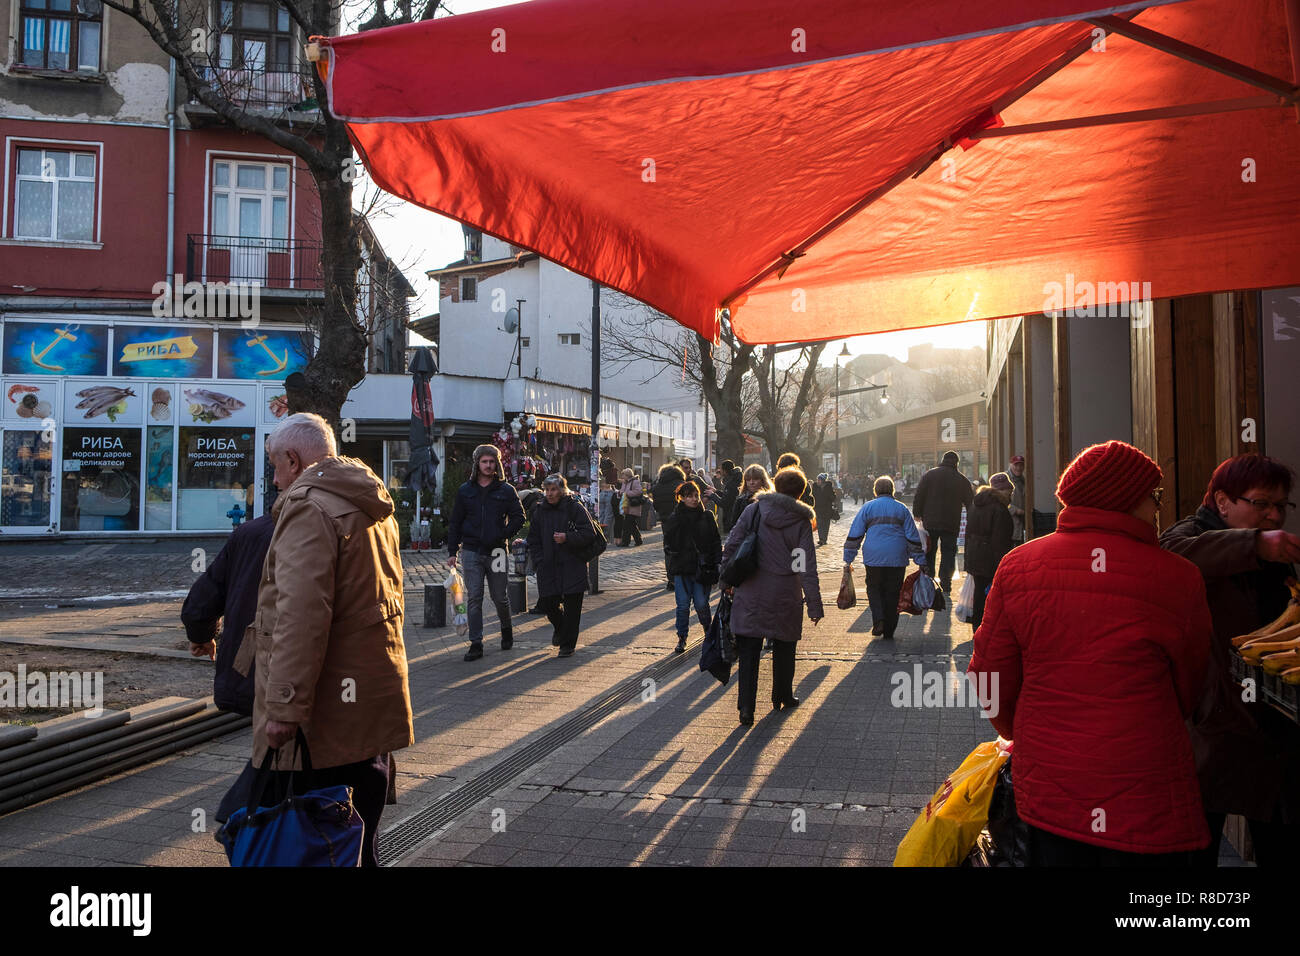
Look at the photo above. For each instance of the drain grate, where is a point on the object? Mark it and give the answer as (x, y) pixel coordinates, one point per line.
(403, 837)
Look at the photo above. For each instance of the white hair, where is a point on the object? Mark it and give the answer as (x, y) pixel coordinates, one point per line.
(305, 433)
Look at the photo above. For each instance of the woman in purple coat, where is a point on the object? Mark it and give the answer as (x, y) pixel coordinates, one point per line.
(769, 603)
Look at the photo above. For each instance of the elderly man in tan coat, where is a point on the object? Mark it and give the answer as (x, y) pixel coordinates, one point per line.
(328, 630)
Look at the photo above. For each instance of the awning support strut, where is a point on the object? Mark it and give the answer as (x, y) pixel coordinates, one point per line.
(1136, 116)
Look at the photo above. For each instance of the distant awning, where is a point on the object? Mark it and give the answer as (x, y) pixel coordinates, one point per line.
(803, 164)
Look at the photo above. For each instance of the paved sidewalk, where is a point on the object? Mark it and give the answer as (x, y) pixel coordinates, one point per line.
(671, 779)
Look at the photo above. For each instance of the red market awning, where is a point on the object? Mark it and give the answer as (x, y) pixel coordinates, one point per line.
(837, 167)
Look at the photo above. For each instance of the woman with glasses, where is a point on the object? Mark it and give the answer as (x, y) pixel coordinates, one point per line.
(1247, 755)
(1092, 653)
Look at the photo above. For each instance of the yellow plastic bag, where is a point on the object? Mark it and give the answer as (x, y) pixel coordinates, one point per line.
(951, 822)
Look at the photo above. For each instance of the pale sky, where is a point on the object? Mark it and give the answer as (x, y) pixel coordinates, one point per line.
(418, 240)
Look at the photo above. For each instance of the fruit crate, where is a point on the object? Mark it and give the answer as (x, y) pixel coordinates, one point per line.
(1241, 670)
(1281, 694)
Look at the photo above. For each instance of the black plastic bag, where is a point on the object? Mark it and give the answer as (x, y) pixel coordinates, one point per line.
(1005, 841)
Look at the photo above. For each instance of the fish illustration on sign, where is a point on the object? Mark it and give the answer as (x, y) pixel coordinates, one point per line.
(104, 399)
(281, 361)
(60, 335)
(208, 406)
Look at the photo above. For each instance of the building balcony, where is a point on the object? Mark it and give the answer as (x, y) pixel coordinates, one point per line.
(284, 95)
(286, 268)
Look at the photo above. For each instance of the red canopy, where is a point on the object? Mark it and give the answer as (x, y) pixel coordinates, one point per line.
(796, 162)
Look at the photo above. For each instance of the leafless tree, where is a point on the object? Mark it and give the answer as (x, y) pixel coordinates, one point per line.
(189, 33)
(636, 336)
(789, 412)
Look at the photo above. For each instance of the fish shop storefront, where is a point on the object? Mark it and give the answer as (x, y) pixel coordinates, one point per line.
(117, 425)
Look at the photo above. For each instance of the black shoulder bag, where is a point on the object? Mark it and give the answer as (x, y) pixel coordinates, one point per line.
(745, 560)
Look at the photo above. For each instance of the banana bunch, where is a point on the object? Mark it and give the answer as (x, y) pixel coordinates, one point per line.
(101, 398)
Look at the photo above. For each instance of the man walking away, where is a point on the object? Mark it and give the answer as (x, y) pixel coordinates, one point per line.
(561, 529)
(486, 515)
(729, 491)
(940, 496)
(330, 662)
(824, 505)
(227, 592)
(1017, 475)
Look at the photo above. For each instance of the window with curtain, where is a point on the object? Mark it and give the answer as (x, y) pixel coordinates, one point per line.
(61, 34)
(254, 35)
(250, 201)
(54, 195)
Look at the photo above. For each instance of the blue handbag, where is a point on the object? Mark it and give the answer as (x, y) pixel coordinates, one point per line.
(317, 828)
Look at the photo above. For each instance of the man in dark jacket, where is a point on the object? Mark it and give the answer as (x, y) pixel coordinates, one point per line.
(486, 514)
(729, 492)
(940, 496)
(663, 495)
(228, 589)
(560, 530)
(823, 492)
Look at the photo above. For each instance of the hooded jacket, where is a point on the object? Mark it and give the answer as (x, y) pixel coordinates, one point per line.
(328, 629)
(1093, 650)
(1241, 748)
(770, 602)
(988, 534)
(940, 496)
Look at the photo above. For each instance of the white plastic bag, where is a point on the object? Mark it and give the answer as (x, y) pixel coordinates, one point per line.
(966, 602)
(459, 608)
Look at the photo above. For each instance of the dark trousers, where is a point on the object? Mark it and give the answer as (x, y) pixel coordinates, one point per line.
(823, 527)
(564, 611)
(948, 561)
(369, 780)
(1275, 843)
(749, 650)
(618, 525)
(883, 587)
(981, 595)
(632, 528)
(1048, 849)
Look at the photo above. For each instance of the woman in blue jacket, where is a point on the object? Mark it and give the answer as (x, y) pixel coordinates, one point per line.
(887, 535)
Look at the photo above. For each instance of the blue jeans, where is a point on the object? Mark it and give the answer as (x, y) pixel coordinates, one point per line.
(688, 589)
(474, 567)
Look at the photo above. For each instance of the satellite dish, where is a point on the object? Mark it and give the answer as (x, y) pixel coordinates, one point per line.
(512, 320)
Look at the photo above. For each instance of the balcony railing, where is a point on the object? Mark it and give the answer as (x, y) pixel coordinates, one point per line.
(288, 264)
(251, 88)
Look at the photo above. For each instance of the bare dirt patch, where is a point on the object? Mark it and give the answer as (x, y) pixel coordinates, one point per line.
(129, 679)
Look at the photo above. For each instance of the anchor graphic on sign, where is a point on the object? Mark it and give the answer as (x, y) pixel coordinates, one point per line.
(59, 337)
(281, 362)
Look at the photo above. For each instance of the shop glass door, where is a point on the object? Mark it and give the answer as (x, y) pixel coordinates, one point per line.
(26, 481)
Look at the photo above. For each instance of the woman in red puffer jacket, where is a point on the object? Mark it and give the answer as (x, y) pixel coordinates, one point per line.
(1094, 648)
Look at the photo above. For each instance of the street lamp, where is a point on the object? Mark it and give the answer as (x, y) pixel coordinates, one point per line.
(844, 353)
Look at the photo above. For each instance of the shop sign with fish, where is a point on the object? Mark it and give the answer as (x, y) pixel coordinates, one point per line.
(105, 403)
(227, 406)
(160, 352)
(54, 348)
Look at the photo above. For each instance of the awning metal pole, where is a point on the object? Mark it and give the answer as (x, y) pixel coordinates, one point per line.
(1135, 116)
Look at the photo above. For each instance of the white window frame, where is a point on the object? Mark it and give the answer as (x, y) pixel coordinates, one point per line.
(9, 226)
(570, 338)
(267, 194)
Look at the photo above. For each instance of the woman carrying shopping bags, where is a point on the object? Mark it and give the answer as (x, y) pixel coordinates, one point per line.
(770, 602)
(988, 538)
(693, 547)
(887, 535)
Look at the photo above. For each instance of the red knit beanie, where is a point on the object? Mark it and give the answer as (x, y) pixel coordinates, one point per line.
(1114, 476)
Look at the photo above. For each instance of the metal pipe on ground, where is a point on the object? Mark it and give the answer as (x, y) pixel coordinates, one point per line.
(83, 727)
(15, 760)
(13, 785)
(162, 749)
